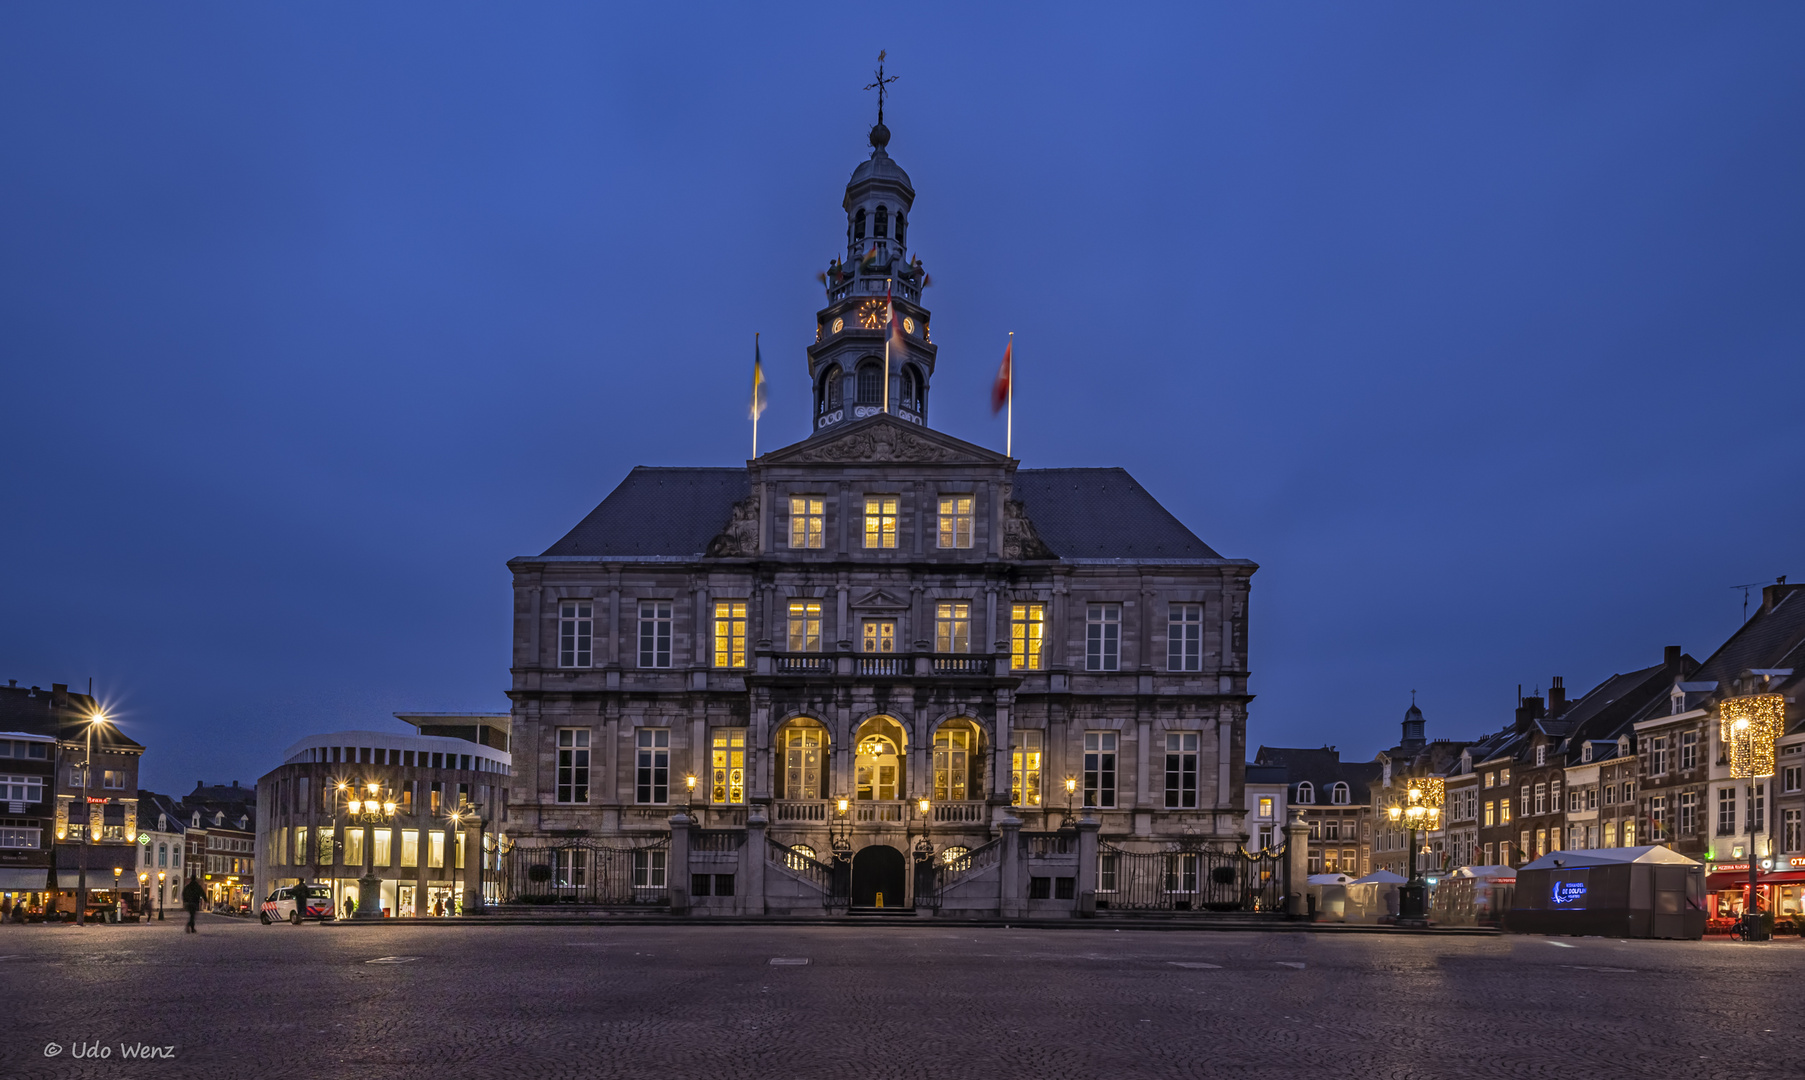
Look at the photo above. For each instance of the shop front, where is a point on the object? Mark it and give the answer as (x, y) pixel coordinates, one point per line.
(1779, 890)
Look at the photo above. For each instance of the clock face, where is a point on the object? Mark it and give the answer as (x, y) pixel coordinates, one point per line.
(908, 325)
(871, 314)
(839, 325)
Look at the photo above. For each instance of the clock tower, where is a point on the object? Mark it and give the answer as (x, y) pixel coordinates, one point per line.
(847, 362)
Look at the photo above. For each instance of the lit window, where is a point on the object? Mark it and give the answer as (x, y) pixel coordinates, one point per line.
(1024, 768)
(879, 636)
(808, 522)
(805, 626)
(1103, 637)
(576, 629)
(1181, 770)
(652, 766)
(1265, 811)
(727, 767)
(880, 521)
(410, 847)
(1100, 770)
(573, 768)
(1184, 638)
(952, 763)
(802, 748)
(952, 627)
(1487, 821)
(1027, 637)
(380, 856)
(730, 634)
(955, 521)
(876, 769)
(654, 633)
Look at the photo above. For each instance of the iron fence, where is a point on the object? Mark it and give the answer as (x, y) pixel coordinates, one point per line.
(587, 872)
(1186, 877)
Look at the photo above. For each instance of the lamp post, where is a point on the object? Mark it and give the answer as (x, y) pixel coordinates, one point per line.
(377, 808)
(1751, 727)
(118, 903)
(162, 891)
(144, 894)
(690, 783)
(87, 823)
(1417, 815)
(1071, 789)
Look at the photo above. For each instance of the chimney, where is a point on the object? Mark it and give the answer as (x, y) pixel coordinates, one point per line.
(1772, 595)
(234, 783)
(1671, 659)
(1557, 698)
(1529, 710)
(59, 694)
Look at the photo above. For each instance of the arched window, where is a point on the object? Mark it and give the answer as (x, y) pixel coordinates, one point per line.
(1306, 792)
(800, 856)
(958, 761)
(829, 397)
(804, 746)
(908, 389)
(881, 227)
(858, 225)
(901, 224)
(871, 385)
(1339, 794)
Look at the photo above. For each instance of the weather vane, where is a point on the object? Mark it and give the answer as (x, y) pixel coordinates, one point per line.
(880, 85)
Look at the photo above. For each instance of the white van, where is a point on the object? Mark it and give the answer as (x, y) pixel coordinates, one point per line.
(315, 902)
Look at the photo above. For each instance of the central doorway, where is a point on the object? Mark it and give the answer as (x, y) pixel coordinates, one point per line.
(877, 877)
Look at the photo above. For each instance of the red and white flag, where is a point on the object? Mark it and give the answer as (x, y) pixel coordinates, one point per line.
(999, 394)
(897, 339)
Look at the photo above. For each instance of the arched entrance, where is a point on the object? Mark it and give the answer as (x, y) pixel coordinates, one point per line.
(877, 877)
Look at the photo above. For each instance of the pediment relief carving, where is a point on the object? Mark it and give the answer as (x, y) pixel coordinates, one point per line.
(878, 599)
(885, 440)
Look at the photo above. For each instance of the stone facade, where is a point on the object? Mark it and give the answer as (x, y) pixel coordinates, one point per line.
(883, 614)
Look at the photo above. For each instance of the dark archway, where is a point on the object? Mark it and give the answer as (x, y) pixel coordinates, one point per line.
(878, 869)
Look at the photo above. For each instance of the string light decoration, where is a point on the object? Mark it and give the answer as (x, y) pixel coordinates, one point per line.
(1434, 791)
(1751, 727)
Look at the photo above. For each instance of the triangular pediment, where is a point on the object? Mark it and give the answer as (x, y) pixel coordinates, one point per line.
(883, 439)
(878, 599)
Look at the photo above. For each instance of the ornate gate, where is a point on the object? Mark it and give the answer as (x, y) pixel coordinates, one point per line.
(544, 871)
(1189, 877)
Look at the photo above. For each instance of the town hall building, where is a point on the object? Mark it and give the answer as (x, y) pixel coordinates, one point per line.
(880, 646)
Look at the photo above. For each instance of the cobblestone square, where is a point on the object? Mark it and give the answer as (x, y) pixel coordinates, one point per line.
(877, 1001)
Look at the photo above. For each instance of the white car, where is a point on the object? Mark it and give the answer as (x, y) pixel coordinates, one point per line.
(314, 902)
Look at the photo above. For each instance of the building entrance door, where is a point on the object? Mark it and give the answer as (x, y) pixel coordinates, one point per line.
(877, 877)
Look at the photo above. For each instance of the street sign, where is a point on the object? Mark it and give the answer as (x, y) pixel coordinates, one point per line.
(144, 838)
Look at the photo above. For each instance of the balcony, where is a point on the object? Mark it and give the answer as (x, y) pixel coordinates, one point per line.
(880, 666)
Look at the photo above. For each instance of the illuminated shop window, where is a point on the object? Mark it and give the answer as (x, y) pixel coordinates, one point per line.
(727, 767)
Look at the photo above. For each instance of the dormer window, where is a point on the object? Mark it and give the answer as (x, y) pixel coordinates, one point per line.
(1306, 793)
(1541, 755)
(1339, 794)
(1585, 753)
(881, 227)
(197, 819)
(1679, 702)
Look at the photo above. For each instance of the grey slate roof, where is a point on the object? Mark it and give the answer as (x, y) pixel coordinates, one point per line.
(658, 512)
(1079, 513)
(1103, 514)
(1322, 767)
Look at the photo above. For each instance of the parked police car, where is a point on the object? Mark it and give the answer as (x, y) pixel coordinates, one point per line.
(296, 902)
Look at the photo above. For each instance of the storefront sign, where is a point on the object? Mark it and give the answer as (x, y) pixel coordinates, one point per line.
(144, 838)
(1569, 893)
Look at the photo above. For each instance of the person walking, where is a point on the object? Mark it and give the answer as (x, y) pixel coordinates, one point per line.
(191, 899)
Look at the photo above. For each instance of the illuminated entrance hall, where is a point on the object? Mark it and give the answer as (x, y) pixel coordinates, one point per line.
(880, 659)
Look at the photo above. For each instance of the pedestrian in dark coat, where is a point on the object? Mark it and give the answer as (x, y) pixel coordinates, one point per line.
(191, 899)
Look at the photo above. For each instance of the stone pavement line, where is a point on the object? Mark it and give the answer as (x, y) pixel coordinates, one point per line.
(789, 961)
(1193, 966)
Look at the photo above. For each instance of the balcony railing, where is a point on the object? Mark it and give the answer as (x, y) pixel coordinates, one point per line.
(883, 666)
(801, 809)
(877, 811)
(959, 812)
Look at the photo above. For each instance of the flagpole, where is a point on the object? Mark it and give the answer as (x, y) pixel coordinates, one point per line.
(890, 303)
(755, 409)
(1009, 422)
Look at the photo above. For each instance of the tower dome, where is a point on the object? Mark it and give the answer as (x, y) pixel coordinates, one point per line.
(1413, 727)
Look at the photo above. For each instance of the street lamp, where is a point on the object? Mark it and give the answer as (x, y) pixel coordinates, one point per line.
(377, 807)
(1751, 727)
(690, 783)
(144, 894)
(87, 824)
(118, 904)
(1418, 815)
(162, 890)
(841, 832)
(1071, 788)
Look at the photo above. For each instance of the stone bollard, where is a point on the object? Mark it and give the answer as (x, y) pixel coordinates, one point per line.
(1087, 865)
(1297, 865)
(677, 867)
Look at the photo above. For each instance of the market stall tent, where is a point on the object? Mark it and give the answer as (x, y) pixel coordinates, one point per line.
(1648, 892)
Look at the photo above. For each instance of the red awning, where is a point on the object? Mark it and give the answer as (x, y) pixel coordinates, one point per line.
(1739, 879)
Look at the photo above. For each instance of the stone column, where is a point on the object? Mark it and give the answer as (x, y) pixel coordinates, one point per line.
(473, 869)
(422, 855)
(1012, 889)
(752, 864)
(676, 872)
(1297, 866)
(1087, 865)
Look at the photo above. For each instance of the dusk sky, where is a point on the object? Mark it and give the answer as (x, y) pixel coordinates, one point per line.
(1479, 330)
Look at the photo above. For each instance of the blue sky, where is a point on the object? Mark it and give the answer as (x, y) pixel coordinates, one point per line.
(1479, 329)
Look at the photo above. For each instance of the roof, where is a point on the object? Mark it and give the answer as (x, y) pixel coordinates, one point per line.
(1078, 513)
(1266, 774)
(657, 511)
(1567, 860)
(1322, 767)
(880, 167)
(1771, 636)
(1103, 514)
